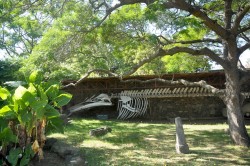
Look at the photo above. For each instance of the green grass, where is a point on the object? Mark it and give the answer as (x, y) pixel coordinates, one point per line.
(150, 144)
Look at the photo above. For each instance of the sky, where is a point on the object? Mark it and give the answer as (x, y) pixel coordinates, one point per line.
(245, 58)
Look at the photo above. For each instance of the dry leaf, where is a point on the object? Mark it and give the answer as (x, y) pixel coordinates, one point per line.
(35, 146)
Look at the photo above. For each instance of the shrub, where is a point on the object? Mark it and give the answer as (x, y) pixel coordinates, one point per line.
(27, 114)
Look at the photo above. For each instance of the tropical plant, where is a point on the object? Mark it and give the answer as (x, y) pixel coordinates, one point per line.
(26, 116)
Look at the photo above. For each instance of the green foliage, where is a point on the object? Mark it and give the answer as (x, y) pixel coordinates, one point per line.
(27, 155)
(14, 155)
(4, 93)
(30, 109)
(8, 70)
(7, 137)
(65, 57)
(185, 63)
(23, 22)
(121, 42)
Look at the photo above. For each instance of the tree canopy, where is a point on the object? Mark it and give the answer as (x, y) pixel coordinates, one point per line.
(72, 47)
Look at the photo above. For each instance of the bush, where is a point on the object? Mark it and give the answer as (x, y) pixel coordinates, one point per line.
(27, 114)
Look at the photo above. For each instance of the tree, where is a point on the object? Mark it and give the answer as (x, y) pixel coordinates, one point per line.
(80, 46)
(248, 63)
(225, 24)
(23, 23)
(7, 70)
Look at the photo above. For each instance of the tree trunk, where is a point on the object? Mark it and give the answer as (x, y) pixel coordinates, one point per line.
(235, 116)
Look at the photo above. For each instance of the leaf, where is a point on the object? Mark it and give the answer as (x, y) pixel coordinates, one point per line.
(39, 108)
(24, 116)
(32, 89)
(7, 112)
(52, 91)
(63, 99)
(19, 92)
(4, 93)
(23, 96)
(29, 151)
(14, 156)
(51, 112)
(42, 94)
(28, 155)
(4, 110)
(35, 77)
(3, 124)
(35, 146)
(7, 135)
(25, 161)
(38, 104)
(55, 125)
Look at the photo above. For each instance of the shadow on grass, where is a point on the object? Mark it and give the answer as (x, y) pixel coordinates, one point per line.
(216, 147)
(136, 143)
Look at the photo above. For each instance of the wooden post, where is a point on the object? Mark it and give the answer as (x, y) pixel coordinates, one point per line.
(181, 145)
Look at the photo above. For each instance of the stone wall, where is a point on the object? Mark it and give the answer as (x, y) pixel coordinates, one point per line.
(191, 108)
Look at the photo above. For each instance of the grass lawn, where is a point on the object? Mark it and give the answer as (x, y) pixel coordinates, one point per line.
(153, 144)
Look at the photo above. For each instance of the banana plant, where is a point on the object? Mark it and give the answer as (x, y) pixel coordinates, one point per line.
(28, 114)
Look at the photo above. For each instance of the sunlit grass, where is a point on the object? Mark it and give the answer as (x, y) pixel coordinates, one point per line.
(135, 143)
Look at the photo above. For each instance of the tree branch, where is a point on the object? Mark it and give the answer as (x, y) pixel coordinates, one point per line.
(201, 83)
(239, 18)
(87, 75)
(129, 2)
(205, 40)
(244, 29)
(244, 48)
(17, 5)
(177, 4)
(161, 52)
(195, 11)
(228, 14)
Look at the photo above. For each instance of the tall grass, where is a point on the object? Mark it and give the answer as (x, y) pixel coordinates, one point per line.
(150, 144)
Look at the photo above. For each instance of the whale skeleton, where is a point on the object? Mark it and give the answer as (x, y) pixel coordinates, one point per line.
(134, 103)
(131, 107)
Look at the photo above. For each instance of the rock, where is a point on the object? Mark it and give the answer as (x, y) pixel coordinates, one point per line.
(181, 145)
(71, 154)
(59, 152)
(63, 149)
(49, 143)
(100, 131)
